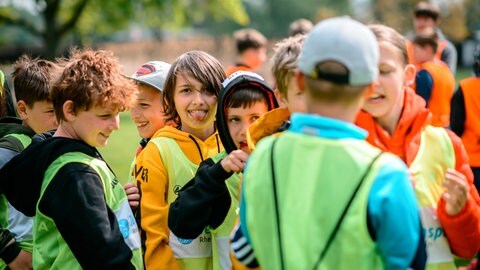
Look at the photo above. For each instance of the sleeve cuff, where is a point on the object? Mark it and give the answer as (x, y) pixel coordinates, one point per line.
(462, 219)
(10, 253)
(218, 173)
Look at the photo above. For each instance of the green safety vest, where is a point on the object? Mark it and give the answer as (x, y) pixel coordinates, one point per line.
(221, 235)
(312, 195)
(434, 157)
(194, 254)
(10, 218)
(50, 251)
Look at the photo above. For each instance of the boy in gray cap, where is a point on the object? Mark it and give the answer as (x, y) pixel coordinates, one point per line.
(324, 198)
(147, 115)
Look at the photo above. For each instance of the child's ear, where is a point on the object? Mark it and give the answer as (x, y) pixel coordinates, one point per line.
(409, 75)
(282, 101)
(300, 80)
(22, 110)
(69, 110)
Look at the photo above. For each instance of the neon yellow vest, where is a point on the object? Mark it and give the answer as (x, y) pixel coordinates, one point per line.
(50, 251)
(191, 254)
(221, 235)
(312, 195)
(435, 156)
(11, 218)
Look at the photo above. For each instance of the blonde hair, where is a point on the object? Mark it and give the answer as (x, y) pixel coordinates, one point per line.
(284, 61)
(387, 34)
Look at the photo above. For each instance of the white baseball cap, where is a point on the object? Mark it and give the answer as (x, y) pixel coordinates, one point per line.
(153, 73)
(343, 40)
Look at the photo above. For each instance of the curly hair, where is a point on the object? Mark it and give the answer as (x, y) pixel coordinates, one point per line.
(92, 78)
(203, 67)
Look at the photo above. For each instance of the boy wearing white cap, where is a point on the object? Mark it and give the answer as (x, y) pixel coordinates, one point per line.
(147, 114)
(326, 198)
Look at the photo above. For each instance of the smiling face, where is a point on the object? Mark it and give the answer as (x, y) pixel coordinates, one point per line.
(386, 101)
(239, 119)
(196, 107)
(93, 126)
(147, 113)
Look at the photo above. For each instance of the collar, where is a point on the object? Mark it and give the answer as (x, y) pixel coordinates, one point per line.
(325, 127)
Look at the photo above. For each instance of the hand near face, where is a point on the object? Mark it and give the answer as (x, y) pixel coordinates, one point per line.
(235, 161)
(456, 193)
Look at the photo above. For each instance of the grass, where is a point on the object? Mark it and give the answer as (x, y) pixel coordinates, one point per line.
(123, 143)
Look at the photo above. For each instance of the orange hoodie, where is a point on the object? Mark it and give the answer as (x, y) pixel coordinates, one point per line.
(155, 189)
(463, 229)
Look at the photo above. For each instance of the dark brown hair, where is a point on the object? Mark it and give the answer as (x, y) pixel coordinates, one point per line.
(300, 26)
(427, 38)
(248, 38)
(246, 97)
(203, 67)
(428, 10)
(33, 79)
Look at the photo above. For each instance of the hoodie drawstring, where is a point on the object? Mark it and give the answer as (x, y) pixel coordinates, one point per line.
(218, 145)
(198, 146)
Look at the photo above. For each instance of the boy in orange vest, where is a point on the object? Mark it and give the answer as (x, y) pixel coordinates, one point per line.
(426, 16)
(465, 117)
(251, 50)
(434, 81)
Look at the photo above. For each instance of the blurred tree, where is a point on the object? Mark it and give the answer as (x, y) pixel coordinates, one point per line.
(52, 20)
(397, 14)
(456, 16)
(273, 17)
(454, 21)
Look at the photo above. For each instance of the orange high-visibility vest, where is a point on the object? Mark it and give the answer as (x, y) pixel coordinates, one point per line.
(442, 91)
(471, 134)
(438, 55)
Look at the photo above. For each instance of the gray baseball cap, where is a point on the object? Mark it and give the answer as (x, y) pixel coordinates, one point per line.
(343, 40)
(153, 73)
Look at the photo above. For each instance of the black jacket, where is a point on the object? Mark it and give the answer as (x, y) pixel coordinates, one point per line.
(74, 199)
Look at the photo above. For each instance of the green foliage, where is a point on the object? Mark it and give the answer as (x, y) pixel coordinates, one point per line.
(55, 19)
(273, 17)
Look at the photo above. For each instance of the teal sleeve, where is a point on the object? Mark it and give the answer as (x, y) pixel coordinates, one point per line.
(394, 216)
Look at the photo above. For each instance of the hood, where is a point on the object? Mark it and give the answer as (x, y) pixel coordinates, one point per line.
(195, 149)
(405, 140)
(21, 178)
(13, 125)
(274, 121)
(235, 81)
